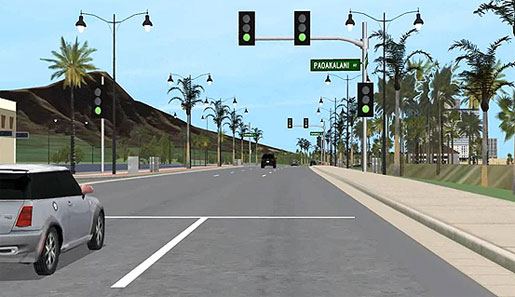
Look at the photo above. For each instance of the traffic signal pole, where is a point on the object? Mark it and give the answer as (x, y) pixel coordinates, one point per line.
(364, 57)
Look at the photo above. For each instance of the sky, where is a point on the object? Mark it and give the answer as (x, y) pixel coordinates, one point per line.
(193, 37)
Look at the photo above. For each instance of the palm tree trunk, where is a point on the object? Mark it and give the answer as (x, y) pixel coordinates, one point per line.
(72, 136)
(484, 167)
(452, 146)
(188, 139)
(440, 137)
(470, 149)
(513, 166)
(218, 149)
(397, 152)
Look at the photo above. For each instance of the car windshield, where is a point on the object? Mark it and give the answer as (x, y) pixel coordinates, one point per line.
(13, 186)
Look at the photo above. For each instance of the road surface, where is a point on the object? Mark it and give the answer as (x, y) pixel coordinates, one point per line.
(242, 231)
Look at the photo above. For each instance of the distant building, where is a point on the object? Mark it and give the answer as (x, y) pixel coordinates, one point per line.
(461, 145)
(492, 148)
(7, 131)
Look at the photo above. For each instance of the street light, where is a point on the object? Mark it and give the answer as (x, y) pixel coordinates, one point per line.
(81, 25)
(246, 112)
(328, 80)
(170, 80)
(234, 102)
(174, 115)
(318, 110)
(418, 25)
(320, 102)
(48, 141)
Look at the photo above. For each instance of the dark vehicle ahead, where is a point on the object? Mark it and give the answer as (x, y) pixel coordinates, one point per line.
(268, 160)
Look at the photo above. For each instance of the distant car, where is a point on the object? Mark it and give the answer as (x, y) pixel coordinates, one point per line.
(268, 160)
(43, 212)
(294, 163)
(313, 162)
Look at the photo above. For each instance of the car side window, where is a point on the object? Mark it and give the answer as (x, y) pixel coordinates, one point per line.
(53, 185)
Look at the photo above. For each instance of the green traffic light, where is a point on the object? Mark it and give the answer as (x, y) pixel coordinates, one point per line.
(365, 109)
(302, 37)
(98, 110)
(246, 37)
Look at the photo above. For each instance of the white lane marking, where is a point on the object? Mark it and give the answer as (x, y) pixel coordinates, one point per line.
(270, 172)
(136, 272)
(231, 217)
(263, 175)
(231, 172)
(216, 175)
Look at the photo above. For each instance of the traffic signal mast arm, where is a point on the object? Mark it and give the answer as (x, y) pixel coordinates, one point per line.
(358, 43)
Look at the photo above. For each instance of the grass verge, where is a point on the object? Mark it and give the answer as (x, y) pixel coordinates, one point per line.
(492, 192)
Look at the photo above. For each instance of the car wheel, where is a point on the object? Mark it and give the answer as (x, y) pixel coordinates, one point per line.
(97, 239)
(49, 257)
(275, 166)
(262, 166)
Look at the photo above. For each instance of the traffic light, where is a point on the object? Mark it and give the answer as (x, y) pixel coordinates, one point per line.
(247, 28)
(302, 29)
(290, 123)
(306, 123)
(97, 109)
(365, 100)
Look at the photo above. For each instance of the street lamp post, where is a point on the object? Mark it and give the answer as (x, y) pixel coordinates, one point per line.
(48, 141)
(349, 101)
(81, 25)
(188, 112)
(92, 146)
(418, 25)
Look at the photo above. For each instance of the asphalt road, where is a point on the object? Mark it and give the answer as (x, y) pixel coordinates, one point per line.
(280, 250)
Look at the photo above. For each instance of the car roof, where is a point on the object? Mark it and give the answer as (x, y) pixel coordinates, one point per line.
(30, 168)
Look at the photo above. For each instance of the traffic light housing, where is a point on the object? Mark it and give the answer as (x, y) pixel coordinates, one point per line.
(306, 123)
(290, 123)
(97, 109)
(302, 28)
(365, 100)
(247, 28)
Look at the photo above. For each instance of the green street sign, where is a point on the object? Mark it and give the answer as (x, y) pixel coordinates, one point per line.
(325, 65)
(249, 134)
(316, 133)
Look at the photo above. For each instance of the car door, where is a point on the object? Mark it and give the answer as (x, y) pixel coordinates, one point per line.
(78, 208)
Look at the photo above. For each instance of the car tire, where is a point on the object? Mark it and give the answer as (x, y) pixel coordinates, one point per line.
(98, 233)
(262, 166)
(49, 256)
(275, 166)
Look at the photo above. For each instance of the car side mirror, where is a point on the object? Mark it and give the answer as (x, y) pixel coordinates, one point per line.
(86, 189)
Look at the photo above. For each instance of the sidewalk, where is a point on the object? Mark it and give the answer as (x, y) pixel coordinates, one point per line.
(483, 224)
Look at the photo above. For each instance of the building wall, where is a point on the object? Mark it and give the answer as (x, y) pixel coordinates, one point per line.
(8, 123)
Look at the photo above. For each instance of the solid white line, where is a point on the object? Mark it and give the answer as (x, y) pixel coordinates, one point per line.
(231, 217)
(136, 272)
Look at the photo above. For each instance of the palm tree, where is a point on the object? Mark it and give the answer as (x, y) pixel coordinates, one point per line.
(190, 94)
(219, 115)
(470, 127)
(398, 65)
(507, 118)
(242, 129)
(234, 122)
(505, 9)
(258, 134)
(484, 80)
(452, 121)
(73, 61)
(300, 144)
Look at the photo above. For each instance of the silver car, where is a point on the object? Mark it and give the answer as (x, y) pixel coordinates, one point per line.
(43, 212)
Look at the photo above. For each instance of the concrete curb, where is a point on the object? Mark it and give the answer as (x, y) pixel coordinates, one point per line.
(486, 249)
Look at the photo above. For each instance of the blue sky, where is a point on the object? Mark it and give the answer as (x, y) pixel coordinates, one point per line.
(271, 79)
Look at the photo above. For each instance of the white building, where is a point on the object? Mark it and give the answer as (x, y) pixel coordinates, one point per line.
(7, 131)
(492, 148)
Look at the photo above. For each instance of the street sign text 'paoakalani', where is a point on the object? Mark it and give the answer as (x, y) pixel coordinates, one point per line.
(316, 133)
(325, 65)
